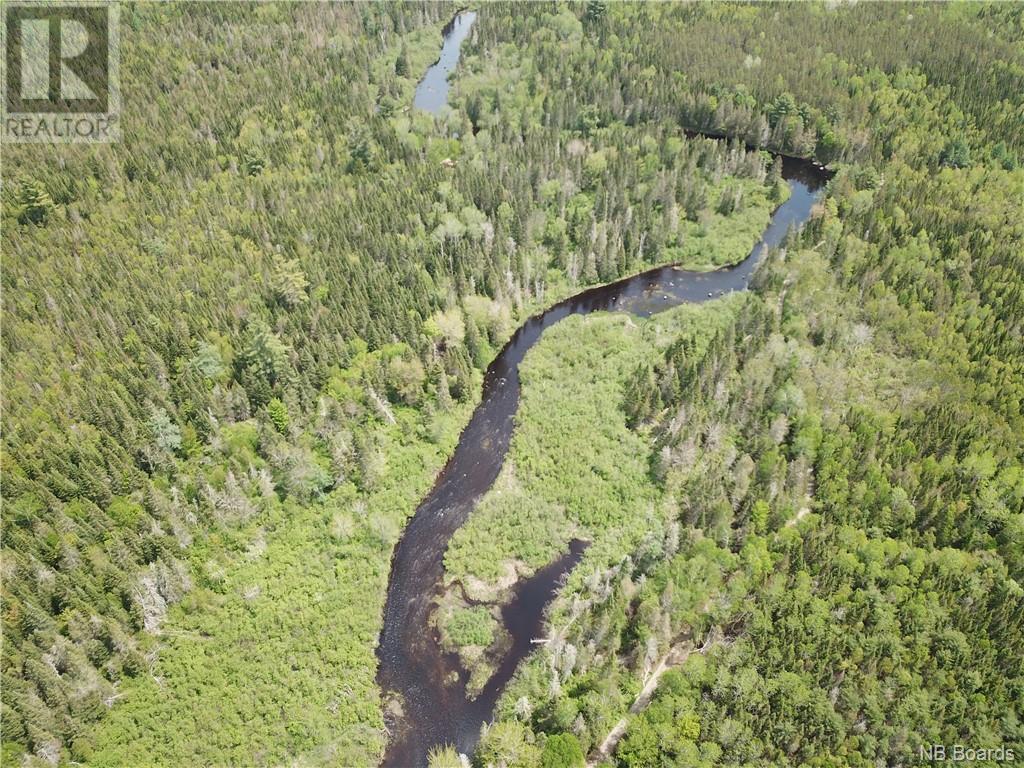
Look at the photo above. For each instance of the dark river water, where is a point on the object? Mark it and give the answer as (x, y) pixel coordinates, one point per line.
(432, 91)
(413, 670)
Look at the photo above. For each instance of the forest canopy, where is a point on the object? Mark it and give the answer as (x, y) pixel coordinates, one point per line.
(239, 344)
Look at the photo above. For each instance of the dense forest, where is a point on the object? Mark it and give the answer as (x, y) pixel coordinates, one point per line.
(239, 345)
(837, 577)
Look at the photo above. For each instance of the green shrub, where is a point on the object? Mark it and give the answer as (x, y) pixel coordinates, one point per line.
(471, 626)
(562, 750)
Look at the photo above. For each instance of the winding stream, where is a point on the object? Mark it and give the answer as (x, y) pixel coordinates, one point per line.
(430, 685)
(432, 91)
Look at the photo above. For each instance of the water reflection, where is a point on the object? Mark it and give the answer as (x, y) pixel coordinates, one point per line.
(432, 91)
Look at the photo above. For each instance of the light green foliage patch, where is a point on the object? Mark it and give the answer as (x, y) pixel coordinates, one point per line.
(471, 626)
